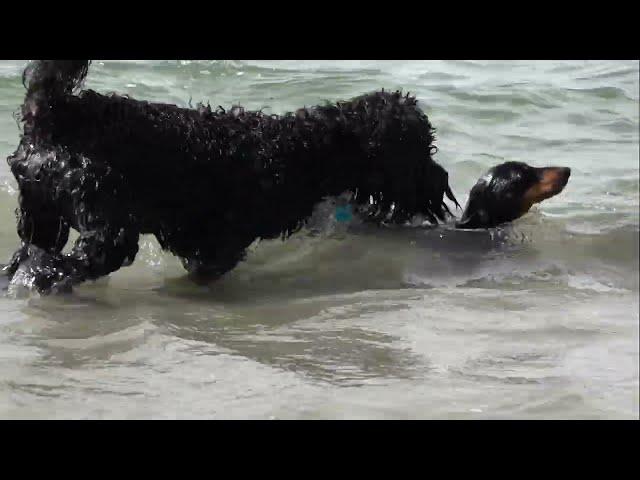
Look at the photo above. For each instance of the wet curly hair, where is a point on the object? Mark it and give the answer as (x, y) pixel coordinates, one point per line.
(206, 182)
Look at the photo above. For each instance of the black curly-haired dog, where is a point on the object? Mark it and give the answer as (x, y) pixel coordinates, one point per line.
(208, 183)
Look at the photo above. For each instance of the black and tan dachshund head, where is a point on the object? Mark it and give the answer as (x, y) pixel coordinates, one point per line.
(508, 191)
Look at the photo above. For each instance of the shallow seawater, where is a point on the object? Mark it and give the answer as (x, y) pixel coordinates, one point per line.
(537, 321)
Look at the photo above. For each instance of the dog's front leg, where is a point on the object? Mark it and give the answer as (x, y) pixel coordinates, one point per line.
(96, 253)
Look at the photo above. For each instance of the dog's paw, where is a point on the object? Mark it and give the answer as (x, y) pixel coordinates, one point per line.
(31, 278)
(41, 272)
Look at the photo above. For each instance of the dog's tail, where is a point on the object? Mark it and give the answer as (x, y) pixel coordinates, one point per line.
(46, 80)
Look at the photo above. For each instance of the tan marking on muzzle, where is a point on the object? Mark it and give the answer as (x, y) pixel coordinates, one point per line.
(552, 182)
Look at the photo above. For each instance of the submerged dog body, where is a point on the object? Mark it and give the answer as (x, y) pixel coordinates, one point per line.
(205, 183)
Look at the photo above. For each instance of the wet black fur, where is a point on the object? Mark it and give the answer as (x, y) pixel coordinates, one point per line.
(205, 182)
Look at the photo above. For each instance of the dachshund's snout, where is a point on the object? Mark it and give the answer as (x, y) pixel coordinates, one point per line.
(553, 179)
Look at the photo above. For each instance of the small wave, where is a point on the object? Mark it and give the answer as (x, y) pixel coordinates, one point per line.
(622, 125)
(626, 185)
(128, 337)
(442, 76)
(583, 282)
(607, 93)
(513, 98)
(496, 115)
(612, 73)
